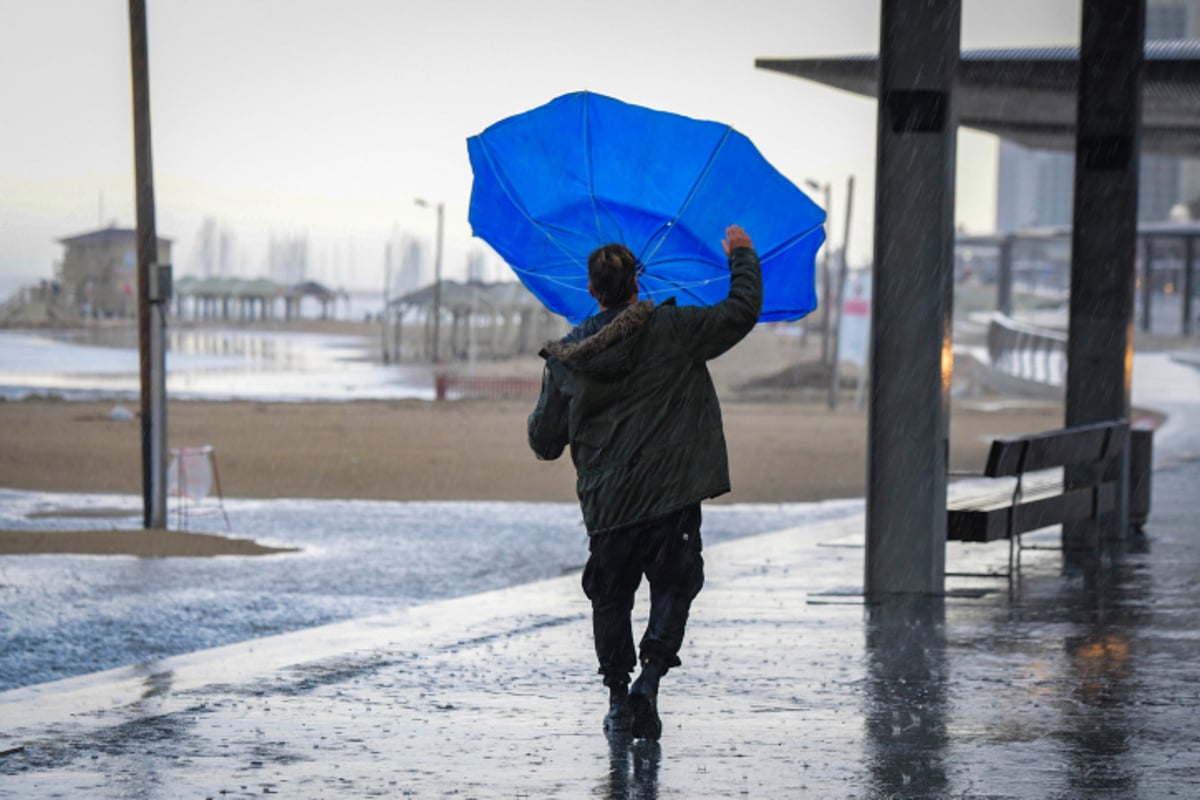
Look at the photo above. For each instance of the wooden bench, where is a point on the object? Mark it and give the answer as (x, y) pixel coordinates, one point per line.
(1038, 501)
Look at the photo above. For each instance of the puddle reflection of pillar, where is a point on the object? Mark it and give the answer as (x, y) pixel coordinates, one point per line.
(1108, 607)
(906, 696)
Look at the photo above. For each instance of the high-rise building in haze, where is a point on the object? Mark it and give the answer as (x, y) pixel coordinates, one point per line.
(1034, 187)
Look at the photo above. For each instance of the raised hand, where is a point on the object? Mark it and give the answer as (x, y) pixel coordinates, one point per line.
(735, 237)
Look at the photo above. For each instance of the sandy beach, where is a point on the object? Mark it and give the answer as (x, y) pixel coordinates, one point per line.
(785, 445)
(465, 450)
(780, 451)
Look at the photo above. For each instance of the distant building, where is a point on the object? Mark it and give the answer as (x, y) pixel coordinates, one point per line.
(1034, 188)
(412, 257)
(98, 272)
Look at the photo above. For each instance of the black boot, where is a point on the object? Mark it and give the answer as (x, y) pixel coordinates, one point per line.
(643, 702)
(618, 719)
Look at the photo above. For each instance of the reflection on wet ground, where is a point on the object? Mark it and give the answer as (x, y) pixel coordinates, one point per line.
(632, 769)
(905, 702)
(1080, 683)
(1064, 679)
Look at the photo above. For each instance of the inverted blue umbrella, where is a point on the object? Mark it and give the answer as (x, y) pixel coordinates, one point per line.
(553, 184)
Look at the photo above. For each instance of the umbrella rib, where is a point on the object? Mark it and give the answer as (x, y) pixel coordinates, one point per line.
(597, 206)
(683, 288)
(587, 154)
(791, 241)
(504, 184)
(695, 187)
(547, 278)
(720, 267)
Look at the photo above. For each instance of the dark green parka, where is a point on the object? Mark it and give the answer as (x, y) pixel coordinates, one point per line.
(629, 390)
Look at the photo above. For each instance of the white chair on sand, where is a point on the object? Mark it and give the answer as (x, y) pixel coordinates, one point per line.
(191, 478)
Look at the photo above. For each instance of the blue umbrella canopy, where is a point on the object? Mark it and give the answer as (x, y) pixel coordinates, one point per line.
(554, 183)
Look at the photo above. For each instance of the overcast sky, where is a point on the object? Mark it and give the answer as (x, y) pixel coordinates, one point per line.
(328, 117)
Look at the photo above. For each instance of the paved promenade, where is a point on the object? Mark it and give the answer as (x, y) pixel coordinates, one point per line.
(1075, 683)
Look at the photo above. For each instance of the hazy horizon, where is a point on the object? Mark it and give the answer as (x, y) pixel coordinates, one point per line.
(304, 118)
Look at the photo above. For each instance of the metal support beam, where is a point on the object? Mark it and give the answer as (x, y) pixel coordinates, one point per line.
(436, 313)
(1189, 282)
(1147, 283)
(908, 422)
(826, 278)
(837, 295)
(151, 321)
(1004, 276)
(437, 279)
(1104, 237)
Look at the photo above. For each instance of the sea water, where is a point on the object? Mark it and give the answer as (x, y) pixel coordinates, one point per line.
(209, 364)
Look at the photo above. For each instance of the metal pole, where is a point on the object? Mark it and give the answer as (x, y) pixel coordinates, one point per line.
(908, 419)
(1189, 281)
(1004, 276)
(150, 314)
(835, 373)
(387, 286)
(827, 277)
(437, 279)
(1104, 239)
(1147, 272)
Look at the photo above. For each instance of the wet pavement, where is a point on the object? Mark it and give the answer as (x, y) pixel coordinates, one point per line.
(1079, 681)
(67, 615)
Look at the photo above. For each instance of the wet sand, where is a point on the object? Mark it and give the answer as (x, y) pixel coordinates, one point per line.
(141, 543)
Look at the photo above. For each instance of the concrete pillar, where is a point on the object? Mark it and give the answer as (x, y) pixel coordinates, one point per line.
(1104, 236)
(908, 421)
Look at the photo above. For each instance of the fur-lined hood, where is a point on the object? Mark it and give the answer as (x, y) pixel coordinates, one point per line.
(606, 350)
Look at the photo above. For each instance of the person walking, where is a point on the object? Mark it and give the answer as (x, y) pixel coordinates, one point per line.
(629, 390)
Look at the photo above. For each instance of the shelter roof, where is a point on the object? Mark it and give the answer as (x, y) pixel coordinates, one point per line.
(1062, 233)
(509, 295)
(313, 289)
(254, 287)
(229, 287)
(106, 234)
(1028, 95)
(1189, 227)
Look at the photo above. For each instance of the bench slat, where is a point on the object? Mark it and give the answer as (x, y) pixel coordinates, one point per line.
(1081, 444)
(992, 524)
(1000, 498)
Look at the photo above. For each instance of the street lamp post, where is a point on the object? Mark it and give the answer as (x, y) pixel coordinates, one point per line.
(153, 287)
(826, 278)
(387, 300)
(437, 270)
(838, 290)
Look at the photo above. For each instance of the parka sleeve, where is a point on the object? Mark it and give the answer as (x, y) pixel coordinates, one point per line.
(714, 329)
(548, 424)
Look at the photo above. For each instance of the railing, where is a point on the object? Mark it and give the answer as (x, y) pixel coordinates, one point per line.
(485, 387)
(1027, 352)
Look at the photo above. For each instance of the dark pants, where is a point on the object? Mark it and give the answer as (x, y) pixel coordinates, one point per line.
(667, 551)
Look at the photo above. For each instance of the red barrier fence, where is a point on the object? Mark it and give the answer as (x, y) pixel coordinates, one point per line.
(485, 387)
